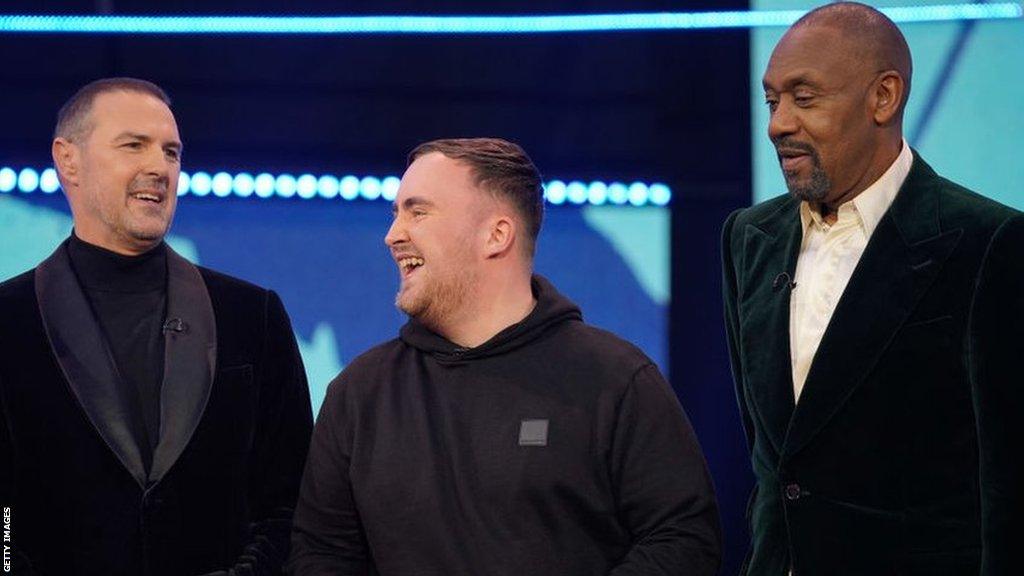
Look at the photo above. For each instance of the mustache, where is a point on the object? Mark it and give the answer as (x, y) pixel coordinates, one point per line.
(790, 144)
(160, 183)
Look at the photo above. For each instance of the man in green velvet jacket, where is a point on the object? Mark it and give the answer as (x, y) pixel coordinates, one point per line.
(873, 316)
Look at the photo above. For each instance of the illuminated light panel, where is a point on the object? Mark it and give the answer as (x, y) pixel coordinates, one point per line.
(48, 181)
(508, 24)
(367, 188)
(184, 180)
(243, 184)
(28, 180)
(8, 179)
(327, 186)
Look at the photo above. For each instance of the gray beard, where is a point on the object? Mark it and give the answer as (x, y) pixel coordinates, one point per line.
(815, 189)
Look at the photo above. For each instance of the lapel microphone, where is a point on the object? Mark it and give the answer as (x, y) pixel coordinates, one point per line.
(176, 325)
(783, 279)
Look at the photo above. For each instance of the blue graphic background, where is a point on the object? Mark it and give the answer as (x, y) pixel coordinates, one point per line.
(328, 262)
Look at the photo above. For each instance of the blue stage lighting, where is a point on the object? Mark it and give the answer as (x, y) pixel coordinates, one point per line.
(183, 183)
(389, 188)
(264, 185)
(8, 179)
(200, 184)
(618, 193)
(243, 184)
(638, 193)
(221, 184)
(327, 186)
(554, 192)
(576, 192)
(369, 188)
(28, 180)
(285, 185)
(597, 193)
(506, 24)
(308, 186)
(48, 181)
(659, 194)
(350, 187)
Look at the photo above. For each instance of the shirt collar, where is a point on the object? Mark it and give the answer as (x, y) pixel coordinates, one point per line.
(872, 203)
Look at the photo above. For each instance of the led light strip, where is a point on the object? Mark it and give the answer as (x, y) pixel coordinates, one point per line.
(510, 24)
(308, 187)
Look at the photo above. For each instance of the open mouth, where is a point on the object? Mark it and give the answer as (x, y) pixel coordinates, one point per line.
(409, 264)
(148, 197)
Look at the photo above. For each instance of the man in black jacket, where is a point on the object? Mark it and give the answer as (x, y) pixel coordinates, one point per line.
(498, 434)
(863, 311)
(154, 415)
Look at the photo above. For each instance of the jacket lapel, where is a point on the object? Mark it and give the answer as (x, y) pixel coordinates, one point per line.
(82, 353)
(190, 352)
(771, 247)
(902, 259)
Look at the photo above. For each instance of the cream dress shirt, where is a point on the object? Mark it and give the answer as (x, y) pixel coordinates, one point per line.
(828, 256)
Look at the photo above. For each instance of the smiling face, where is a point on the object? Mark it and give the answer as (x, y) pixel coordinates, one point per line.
(121, 176)
(436, 238)
(818, 89)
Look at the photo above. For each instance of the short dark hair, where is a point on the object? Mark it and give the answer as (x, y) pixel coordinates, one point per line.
(72, 119)
(504, 169)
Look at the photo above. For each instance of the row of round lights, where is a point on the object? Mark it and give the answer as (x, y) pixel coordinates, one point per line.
(505, 24)
(308, 186)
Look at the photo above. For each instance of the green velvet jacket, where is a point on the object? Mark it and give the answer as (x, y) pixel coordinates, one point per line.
(876, 470)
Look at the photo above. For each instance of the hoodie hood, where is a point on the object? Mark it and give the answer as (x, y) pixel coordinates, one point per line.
(552, 309)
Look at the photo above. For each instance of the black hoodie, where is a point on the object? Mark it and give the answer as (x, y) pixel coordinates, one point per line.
(553, 448)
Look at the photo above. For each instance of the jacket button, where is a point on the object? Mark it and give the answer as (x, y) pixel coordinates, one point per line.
(792, 492)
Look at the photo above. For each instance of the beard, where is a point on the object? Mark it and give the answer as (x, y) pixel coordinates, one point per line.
(437, 299)
(816, 186)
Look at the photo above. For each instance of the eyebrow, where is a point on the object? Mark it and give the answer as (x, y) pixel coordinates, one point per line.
(794, 82)
(412, 202)
(127, 135)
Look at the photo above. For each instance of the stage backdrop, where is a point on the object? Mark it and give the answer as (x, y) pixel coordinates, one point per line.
(327, 260)
(965, 114)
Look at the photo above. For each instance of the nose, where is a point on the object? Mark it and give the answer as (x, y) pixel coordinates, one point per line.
(396, 233)
(158, 164)
(782, 122)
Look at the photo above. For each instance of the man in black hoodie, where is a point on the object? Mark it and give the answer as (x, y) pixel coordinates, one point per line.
(499, 434)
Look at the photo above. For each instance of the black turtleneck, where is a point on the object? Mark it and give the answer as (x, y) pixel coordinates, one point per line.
(129, 296)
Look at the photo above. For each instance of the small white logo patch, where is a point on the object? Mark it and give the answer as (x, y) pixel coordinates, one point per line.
(533, 432)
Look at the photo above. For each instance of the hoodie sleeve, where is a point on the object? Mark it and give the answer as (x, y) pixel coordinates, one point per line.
(663, 489)
(327, 534)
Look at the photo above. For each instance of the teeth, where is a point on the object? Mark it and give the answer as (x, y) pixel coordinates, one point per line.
(410, 262)
(148, 197)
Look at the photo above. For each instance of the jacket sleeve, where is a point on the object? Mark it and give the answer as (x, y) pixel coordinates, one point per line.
(996, 349)
(328, 536)
(662, 486)
(730, 299)
(732, 323)
(280, 446)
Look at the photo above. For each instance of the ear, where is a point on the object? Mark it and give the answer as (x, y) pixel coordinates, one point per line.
(65, 159)
(501, 236)
(887, 94)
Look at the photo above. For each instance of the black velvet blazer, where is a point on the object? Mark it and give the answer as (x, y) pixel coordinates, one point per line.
(235, 427)
(876, 470)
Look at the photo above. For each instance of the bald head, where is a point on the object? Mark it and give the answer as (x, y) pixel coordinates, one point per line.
(836, 87)
(867, 34)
